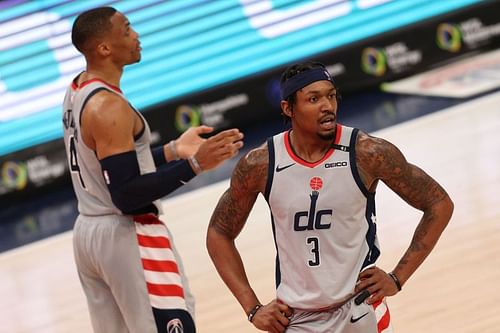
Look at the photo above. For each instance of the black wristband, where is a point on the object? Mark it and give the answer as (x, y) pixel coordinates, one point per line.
(396, 280)
(254, 311)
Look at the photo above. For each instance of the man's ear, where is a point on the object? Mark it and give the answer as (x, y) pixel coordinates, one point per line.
(103, 49)
(286, 109)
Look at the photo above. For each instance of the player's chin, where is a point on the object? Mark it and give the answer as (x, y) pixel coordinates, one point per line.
(136, 56)
(326, 135)
(133, 60)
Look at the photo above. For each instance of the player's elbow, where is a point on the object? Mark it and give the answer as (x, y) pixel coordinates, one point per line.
(442, 210)
(215, 241)
(448, 207)
(210, 241)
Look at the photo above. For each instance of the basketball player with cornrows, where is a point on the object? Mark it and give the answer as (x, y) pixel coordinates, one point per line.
(319, 180)
(128, 266)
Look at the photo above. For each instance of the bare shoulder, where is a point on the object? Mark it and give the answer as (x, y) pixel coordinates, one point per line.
(108, 101)
(379, 159)
(108, 124)
(250, 173)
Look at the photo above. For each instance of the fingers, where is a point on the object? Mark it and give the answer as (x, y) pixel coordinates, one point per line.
(225, 150)
(203, 129)
(219, 148)
(189, 142)
(378, 283)
(227, 136)
(285, 310)
(272, 317)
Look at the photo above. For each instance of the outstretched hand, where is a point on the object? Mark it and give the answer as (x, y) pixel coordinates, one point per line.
(190, 141)
(378, 283)
(272, 317)
(218, 148)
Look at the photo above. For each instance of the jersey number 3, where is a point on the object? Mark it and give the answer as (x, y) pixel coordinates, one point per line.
(315, 261)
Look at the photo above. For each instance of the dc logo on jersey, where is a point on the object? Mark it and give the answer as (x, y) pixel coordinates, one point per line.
(175, 326)
(310, 220)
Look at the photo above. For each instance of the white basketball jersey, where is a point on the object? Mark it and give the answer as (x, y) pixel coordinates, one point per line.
(86, 173)
(323, 220)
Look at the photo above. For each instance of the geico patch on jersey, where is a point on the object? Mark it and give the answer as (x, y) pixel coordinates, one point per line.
(339, 164)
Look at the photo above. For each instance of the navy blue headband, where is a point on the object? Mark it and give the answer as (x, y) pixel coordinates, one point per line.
(303, 79)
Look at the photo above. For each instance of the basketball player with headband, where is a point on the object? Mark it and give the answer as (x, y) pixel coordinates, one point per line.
(319, 179)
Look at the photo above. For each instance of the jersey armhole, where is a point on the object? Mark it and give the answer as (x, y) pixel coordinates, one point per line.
(270, 168)
(87, 99)
(93, 93)
(354, 166)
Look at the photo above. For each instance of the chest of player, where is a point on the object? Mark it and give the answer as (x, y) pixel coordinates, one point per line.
(306, 197)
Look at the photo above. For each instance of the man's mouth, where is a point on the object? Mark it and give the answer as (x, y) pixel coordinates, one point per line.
(327, 123)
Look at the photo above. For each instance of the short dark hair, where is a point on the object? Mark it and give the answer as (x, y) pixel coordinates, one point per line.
(91, 24)
(295, 69)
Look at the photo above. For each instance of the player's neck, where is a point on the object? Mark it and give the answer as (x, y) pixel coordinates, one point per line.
(308, 148)
(109, 74)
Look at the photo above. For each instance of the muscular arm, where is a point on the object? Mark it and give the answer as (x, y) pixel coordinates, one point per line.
(378, 159)
(109, 126)
(230, 215)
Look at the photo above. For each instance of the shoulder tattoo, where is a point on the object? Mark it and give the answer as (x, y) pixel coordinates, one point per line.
(247, 181)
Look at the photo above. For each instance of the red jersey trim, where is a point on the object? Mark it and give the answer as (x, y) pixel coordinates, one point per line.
(86, 83)
(288, 146)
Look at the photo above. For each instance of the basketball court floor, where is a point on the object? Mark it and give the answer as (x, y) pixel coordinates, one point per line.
(455, 290)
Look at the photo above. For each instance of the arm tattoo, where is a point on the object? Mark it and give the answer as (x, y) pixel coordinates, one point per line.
(380, 160)
(248, 180)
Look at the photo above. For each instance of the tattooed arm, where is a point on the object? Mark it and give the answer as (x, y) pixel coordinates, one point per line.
(248, 180)
(378, 159)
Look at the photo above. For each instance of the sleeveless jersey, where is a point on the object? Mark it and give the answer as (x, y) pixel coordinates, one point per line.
(323, 220)
(87, 177)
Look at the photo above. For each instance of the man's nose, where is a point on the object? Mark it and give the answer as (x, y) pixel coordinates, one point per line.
(326, 105)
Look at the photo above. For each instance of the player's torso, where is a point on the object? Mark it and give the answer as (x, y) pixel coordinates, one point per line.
(88, 180)
(320, 221)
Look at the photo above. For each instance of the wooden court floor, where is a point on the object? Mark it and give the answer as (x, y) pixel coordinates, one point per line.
(456, 290)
